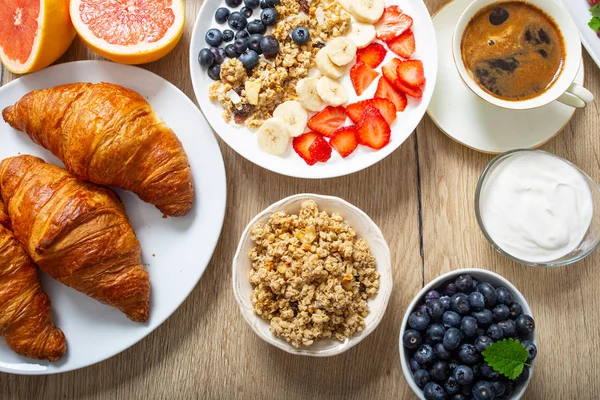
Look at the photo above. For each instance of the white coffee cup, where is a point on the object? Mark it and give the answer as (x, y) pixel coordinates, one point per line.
(564, 88)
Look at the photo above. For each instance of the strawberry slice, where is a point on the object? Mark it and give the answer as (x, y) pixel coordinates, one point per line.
(386, 90)
(344, 140)
(415, 92)
(404, 45)
(392, 24)
(386, 108)
(411, 73)
(372, 55)
(320, 150)
(373, 130)
(302, 145)
(390, 71)
(362, 76)
(328, 120)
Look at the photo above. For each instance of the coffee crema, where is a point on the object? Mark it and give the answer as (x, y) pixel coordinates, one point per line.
(513, 50)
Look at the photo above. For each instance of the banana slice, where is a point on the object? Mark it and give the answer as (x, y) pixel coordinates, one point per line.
(345, 4)
(367, 10)
(326, 66)
(273, 137)
(293, 115)
(307, 94)
(361, 34)
(341, 51)
(332, 92)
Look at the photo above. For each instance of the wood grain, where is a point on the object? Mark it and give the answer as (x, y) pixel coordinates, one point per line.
(422, 198)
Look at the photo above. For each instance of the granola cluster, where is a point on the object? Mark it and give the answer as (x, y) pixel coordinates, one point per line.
(312, 277)
(274, 81)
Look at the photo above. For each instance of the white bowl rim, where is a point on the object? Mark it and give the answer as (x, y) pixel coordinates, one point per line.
(435, 283)
(383, 267)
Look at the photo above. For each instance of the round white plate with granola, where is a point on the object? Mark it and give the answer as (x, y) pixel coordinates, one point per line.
(250, 96)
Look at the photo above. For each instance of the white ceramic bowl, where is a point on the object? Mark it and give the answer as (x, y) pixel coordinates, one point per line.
(481, 275)
(364, 227)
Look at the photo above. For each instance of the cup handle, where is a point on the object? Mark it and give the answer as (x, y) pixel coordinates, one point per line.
(576, 96)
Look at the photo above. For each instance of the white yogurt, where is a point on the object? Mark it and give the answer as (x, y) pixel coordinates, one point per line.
(536, 207)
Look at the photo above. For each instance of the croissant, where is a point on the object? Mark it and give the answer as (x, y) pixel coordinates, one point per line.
(109, 135)
(25, 318)
(76, 232)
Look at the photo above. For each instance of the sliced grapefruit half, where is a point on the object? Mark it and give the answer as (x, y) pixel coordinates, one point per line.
(33, 33)
(129, 31)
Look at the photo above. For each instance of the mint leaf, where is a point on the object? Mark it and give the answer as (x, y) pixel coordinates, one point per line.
(595, 23)
(595, 10)
(506, 357)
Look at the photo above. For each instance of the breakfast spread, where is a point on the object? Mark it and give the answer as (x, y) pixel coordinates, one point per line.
(312, 276)
(536, 207)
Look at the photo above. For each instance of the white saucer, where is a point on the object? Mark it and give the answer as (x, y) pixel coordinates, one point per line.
(473, 122)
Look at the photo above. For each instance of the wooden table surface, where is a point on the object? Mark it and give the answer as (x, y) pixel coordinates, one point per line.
(422, 198)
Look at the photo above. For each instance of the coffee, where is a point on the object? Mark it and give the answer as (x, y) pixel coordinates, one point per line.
(513, 50)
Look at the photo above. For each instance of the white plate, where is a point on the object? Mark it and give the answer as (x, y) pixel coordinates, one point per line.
(580, 12)
(175, 251)
(243, 140)
(475, 123)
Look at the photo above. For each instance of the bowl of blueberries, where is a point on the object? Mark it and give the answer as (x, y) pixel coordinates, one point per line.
(468, 334)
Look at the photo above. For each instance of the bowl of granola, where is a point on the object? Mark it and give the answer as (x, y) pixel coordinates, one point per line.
(312, 275)
(313, 89)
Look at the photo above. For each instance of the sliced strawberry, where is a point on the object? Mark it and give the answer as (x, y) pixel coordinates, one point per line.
(362, 76)
(373, 130)
(320, 150)
(415, 92)
(302, 145)
(328, 120)
(411, 73)
(392, 24)
(344, 140)
(404, 45)
(372, 55)
(386, 108)
(385, 90)
(390, 71)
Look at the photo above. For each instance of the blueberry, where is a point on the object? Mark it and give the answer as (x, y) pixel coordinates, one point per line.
(433, 391)
(451, 386)
(213, 37)
(495, 332)
(233, 3)
(412, 338)
(300, 35)
(509, 389)
(459, 396)
(441, 352)
(452, 338)
(483, 317)
(263, 4)
(206, 58)
(219, 55)
(525, 324)
(228, 35)
(252, 3)
(468, 326)
(488, 372)
(215, 72)
(523, 377)
(509, 328)
(435, 309)
(241, 45)
(531, 349)
(255, 43)
(435, 333)
(445, 300)
(237, 21)
(440, 371)
(450, 289)
(489, 293)
(246, 11)
(477, 301)
(464, 283)
(483, 390)
(460, 303)
(272, 3)
(422, 308)
(421, 377)
(249, 59)
(501, 312)
(424, 355)
(453, 365)
(432, 295)
(270, 47)
(221, 15)
(482, 343)
(468, 354)
(414, 364)
(504, 296)
(269, 16)
(242, 35)
(499, 388)
(230, 51)
(515, 310)
(463, 375)
(475, 284)
(450, 318)
(256, 26)
(418, 320)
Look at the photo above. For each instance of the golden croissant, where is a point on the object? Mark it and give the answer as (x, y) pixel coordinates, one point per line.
(25, 318)
(76, 232)
(109, 135)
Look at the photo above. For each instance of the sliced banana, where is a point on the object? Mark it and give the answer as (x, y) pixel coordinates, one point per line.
(345, 4)
(326, 66)
(341, 51)
(273, 137)
(332, 92)
(293, 115)
(361, 34)
(307, 94)
(367, 10)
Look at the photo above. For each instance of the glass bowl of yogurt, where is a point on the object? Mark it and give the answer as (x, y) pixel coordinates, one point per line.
(538, 209)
